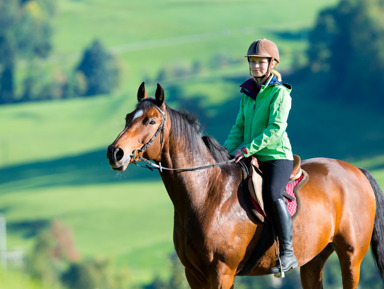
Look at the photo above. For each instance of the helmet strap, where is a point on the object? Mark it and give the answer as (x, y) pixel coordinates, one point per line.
(260, 80)
(270, 64)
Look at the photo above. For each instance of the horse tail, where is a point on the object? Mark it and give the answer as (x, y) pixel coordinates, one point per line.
(377, 242)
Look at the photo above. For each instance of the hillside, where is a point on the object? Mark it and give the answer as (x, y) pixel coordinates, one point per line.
(171, 38)
(147, 36)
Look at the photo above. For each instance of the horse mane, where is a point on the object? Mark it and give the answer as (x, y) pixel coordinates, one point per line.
(219, 153)
(186, 126)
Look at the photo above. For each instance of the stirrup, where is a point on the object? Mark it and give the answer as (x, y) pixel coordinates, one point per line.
(279, 266)
(281, 274)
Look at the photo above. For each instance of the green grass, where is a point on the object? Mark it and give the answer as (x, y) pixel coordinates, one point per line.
(40, 131)
(17, 280)
(130, 224)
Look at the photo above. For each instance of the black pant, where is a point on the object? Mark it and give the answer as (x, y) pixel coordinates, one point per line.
(276, 175)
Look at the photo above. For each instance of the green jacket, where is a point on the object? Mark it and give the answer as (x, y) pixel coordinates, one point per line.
(261, 123)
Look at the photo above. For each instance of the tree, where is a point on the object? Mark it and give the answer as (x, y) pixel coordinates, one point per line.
(347, 44)
(65, 245)
(95, 273)
(54, 261)
(53, 250)
(83, 276)
(99, 69)
(25, 31)
(41, 266)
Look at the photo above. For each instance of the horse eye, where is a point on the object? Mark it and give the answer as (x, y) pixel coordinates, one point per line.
(152, 122)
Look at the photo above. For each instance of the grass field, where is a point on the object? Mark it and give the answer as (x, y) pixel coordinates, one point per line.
(17, 280)
(52, 154)
(129, 224)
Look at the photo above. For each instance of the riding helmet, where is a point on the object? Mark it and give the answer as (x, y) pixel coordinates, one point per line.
(264, 48)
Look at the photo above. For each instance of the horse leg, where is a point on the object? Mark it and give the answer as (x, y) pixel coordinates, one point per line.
(352, 242)
(218, 280)
(312, 273)
(194, 282)
(223, 282)
(222, 278)
(350, 267)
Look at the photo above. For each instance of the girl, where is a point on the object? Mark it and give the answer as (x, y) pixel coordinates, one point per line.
(260, 129)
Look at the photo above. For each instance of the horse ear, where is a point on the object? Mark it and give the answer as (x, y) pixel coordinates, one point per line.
(159, 95)
(141, 94)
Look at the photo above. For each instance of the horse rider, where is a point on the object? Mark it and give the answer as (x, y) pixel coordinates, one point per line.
(260, 131)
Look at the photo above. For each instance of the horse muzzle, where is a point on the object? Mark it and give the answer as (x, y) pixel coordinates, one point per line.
(118, 160)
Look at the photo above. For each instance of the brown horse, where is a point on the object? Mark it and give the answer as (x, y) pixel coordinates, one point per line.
(214, 235)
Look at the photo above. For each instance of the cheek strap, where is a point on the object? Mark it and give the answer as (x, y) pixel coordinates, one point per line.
(137, 153)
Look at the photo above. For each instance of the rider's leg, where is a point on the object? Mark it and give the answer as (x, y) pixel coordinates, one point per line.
(275, 177)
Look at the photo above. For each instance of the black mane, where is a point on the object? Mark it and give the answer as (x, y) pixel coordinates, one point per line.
(183, 119)
(186, 127)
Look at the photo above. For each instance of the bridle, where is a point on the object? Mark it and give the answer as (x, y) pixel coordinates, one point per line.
(137, 153)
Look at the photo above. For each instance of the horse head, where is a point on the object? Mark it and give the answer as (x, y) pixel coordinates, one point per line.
(143, 134)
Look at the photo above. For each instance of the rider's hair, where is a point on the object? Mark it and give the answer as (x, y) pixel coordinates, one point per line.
(275, 72)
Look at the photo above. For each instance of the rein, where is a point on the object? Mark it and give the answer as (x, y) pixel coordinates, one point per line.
(151, 165)
(161, 168)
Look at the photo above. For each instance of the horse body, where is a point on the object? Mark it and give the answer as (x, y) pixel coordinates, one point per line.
(214, 235)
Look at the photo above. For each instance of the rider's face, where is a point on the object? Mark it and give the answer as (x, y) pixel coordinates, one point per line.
(258, 65)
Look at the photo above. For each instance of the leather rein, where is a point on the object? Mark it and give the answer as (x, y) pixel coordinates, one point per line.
(137, 153)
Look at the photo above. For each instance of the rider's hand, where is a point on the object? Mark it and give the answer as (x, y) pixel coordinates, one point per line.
(238, 155)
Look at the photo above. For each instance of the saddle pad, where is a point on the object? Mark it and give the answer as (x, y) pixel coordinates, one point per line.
(291, 202)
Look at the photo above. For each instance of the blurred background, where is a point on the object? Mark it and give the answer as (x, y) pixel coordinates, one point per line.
(69, 72)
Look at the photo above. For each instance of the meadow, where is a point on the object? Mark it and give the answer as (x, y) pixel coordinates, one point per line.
(15, 280)
(52, 154)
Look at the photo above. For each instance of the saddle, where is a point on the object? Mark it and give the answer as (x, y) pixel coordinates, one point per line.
(297, 180)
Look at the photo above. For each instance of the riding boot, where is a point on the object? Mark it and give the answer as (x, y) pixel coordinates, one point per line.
(282, 224)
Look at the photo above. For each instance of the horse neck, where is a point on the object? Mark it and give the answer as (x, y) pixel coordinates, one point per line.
(188, 190)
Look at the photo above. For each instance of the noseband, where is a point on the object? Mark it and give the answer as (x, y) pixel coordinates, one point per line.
(137, 153)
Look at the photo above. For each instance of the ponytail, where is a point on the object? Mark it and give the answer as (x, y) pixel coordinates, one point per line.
(278, 75)
(275, 72)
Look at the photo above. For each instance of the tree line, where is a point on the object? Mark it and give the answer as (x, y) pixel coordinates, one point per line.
(346, 48)
(26, 35)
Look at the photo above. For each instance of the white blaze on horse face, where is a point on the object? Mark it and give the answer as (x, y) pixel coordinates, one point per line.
(138, 114)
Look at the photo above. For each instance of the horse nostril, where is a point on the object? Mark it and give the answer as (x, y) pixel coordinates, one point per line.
(119, 154)
(110, 152)
(115, 154)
